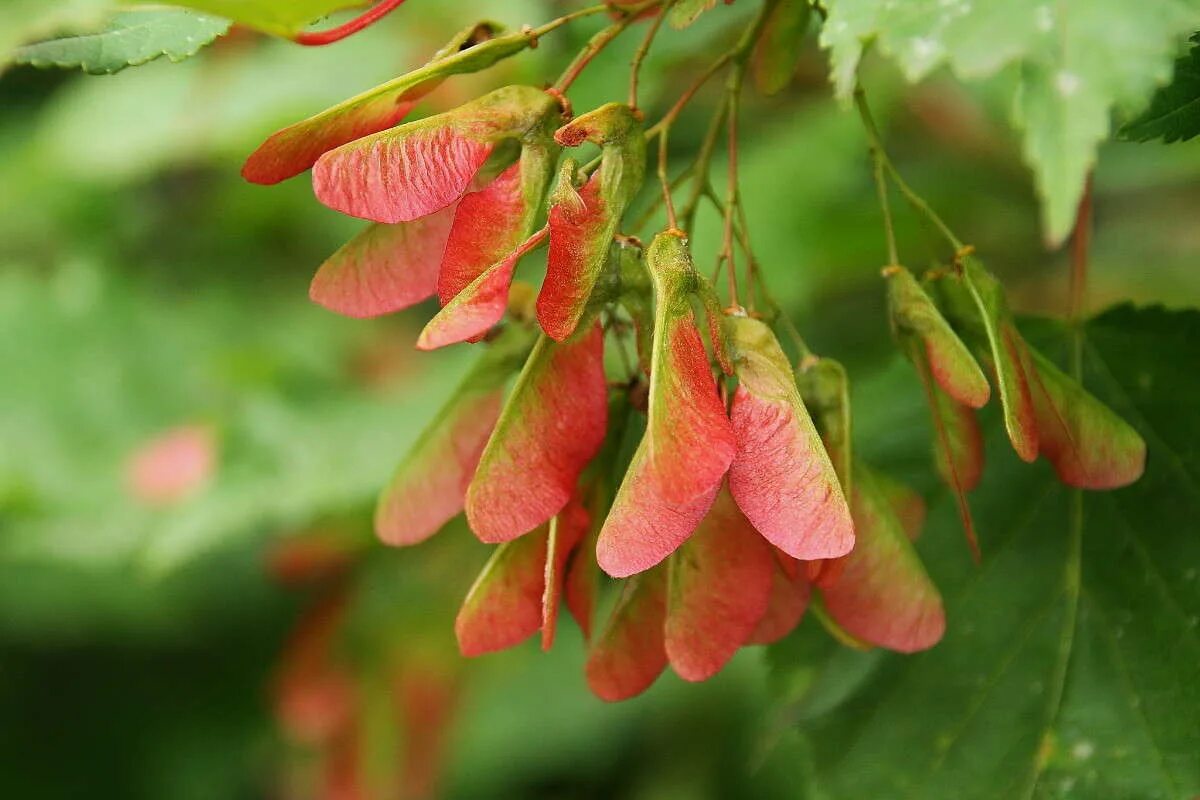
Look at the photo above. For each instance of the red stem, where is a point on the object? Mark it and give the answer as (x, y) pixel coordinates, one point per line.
(364, 20)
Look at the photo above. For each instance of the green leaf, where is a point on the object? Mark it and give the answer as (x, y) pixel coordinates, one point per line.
(1071, 662)
(131, 39)
(1078, 59)
(280, 17)
(1174, 112)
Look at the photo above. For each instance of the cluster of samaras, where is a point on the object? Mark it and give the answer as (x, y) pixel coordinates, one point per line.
(728, 507)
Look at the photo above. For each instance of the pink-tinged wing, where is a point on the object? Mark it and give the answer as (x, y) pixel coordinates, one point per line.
(428, 489)
(790, 591)
(567, 530)
(551, 427)
(956, 371)
(691, 439)
(504, 606)
(960, 455)
(905, 502)
(957, 443)
(1089, 445)
(916, 316)
(629, 655)
(579, 244)
(400, 175)
(1011, 366)
(469, 316)
(385, 268)
(581, 585)
(883, 594)
(290, 151)
(643, 527)
(488, 225)
(314, 695)
(172, 466)
(719, 588)
(781, 477)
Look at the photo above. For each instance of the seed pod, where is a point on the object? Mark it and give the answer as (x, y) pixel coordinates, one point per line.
(629, 654)
(552, 425)
(718, 590)
(421, 167)
(580, 236)
(430, 484)
(781, 477)
(881, 593)
(689, 442)
(290, 151)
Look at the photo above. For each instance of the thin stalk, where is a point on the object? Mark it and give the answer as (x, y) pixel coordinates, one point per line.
(597, 44)
(703, 159)
(364, 20)
(635, 66)
(875, 141)
(557, 23)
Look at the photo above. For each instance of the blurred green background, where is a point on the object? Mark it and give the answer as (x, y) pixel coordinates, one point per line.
(145, 286)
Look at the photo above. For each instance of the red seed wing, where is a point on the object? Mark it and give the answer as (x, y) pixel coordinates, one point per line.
(781, 477)
(478, 307)
(401, 174)
(429, 486)
(504, 606)
(385, 268)
(628, 655)
(883, 594)
(1089, 445)
(579, 243)
(416, 169)
(290, 151)
(719, 588)
(691, 440)
(643, 527)
(551, 427)
(488, 225)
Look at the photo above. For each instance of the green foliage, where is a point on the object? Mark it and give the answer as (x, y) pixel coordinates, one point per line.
(132, 38)
(1076, 60)
(1174, 112)
(280, 17)
(1071, 663)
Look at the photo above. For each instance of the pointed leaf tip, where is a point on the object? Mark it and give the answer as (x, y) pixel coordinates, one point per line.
(782, 477)
(719, 588)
